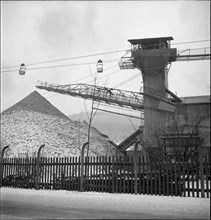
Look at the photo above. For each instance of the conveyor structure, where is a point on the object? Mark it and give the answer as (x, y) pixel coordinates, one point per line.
(111, 96)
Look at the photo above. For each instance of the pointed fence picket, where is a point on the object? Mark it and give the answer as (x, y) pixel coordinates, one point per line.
(110, 174)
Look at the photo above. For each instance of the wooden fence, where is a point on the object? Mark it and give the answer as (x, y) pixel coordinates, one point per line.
(109, 174)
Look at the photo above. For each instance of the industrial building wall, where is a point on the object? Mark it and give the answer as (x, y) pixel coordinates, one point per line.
(195, 110)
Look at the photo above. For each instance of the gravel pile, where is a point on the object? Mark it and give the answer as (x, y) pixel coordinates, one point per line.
(34, 121)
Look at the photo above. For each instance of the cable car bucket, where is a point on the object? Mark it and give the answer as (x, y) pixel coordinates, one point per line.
(100, 66)
(22, 69)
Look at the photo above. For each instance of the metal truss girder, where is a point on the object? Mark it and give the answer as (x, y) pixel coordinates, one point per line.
(110, 96)
(193, 57)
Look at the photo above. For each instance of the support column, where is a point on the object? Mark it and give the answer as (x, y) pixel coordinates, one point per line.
(152, 56)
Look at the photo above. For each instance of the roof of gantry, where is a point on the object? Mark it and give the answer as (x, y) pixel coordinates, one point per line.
(149, 40)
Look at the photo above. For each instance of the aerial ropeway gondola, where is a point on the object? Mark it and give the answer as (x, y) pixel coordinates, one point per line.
(99, 66)
(22, 69)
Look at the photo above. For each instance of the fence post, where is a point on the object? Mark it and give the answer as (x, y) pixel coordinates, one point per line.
(82, 166)
(2, 166)
(201, 174)
(38, 166)
(135, 169)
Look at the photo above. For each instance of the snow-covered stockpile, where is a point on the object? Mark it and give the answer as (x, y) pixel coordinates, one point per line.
(35, 121)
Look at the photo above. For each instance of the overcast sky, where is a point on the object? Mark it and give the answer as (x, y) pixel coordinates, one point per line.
(33, 32)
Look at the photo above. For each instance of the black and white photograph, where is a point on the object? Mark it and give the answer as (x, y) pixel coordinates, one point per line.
(105, 109)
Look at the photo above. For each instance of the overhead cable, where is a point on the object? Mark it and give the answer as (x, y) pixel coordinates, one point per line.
(65, 59)
(90, 55)
(91, 75)
(127, 80)
(65, 65)
(104, 75)
(189, 42)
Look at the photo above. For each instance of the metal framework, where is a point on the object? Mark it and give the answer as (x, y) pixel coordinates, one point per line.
(193, 57)
(194, 54)
(123, 98)
(110, 96)
(127, 62)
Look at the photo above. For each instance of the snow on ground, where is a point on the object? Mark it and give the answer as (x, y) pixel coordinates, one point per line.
(176, 207)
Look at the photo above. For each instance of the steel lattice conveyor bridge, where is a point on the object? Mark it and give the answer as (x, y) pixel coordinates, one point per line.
(111, 96)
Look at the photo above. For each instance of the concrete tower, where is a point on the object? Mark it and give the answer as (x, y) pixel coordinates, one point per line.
(152, 56)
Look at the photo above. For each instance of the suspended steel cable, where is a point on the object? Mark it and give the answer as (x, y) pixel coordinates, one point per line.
(204, 51)
(122, 83)
(90, 55)
(91, 75)
(118, 108)
(127, 80)
(99, 77)
(189, 42)
(104, 76)
(65, 59)
(65, 65)
(117, 113)
(87, 82)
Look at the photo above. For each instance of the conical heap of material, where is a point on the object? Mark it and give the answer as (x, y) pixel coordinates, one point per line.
(34, 121)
